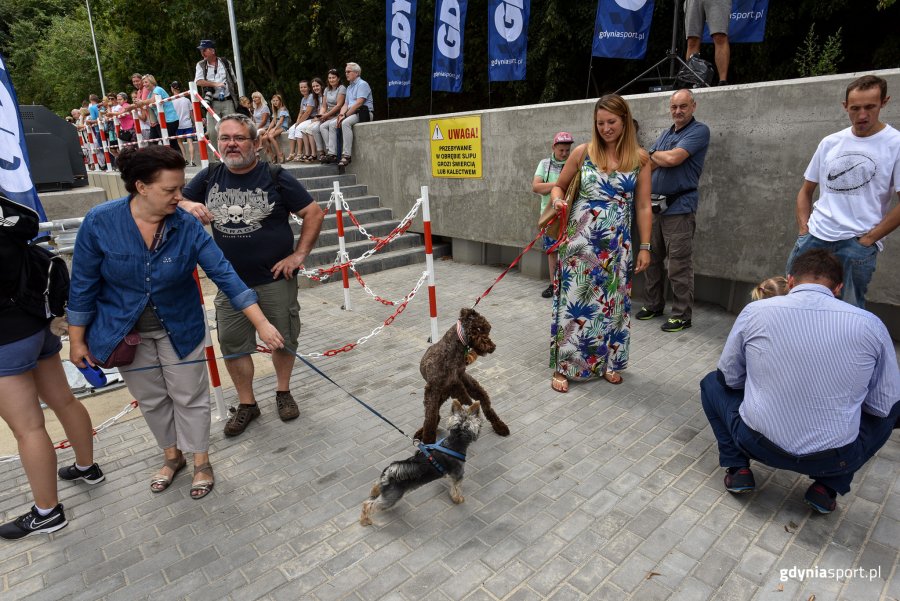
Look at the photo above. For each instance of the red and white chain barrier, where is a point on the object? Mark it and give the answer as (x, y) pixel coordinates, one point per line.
(352, 345)
(65, 444)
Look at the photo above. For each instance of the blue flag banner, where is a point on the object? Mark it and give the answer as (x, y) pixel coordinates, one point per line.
(15, 173)
(622, 28)
(447, 56)
(507, 39)
(401, 37)
(747, 22)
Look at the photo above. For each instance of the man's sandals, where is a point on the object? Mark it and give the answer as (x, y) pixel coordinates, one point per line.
(201, 488)
(161, 482)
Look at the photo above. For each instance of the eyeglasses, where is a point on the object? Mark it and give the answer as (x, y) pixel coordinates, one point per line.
(238, 139)
(349, 71)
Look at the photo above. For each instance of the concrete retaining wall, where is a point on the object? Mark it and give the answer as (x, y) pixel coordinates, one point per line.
(763, 136)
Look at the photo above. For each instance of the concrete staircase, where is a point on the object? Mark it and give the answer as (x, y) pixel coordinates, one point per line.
(405, 249)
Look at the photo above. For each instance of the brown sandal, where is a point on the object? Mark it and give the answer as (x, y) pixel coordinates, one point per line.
(202, 487)
(612, 377)
(559, 382)
(159, 482)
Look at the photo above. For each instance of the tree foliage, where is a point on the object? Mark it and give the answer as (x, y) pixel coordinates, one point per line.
(48, 47)
(814, 58)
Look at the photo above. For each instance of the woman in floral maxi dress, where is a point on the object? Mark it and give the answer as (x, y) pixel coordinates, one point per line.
(591, 323)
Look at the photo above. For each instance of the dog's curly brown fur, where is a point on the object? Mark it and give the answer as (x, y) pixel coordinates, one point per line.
(444, 368)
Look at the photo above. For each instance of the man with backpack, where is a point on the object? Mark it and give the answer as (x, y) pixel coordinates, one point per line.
(249, 203)
(216, 81)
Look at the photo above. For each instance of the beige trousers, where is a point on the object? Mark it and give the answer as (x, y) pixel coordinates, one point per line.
(175, 398)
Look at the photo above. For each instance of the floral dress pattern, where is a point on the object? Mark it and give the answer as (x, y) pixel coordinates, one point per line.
(590, 331)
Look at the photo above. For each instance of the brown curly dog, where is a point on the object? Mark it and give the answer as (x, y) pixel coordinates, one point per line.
(444, 368)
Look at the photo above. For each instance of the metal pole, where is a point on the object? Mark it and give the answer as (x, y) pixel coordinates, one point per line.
(96, 53)
(237, 51)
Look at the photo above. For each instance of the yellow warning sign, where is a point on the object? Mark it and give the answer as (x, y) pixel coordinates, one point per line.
(456, 147)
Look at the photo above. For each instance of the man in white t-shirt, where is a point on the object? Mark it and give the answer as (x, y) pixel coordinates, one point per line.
(216, 79)
(859, 169)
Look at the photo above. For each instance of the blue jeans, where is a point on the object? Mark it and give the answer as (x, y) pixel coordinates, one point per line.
(858, 262)
(738, 444)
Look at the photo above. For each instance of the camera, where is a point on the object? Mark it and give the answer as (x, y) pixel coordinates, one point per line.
(208, 95)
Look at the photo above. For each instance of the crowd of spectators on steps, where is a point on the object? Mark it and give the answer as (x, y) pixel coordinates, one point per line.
(321, 132)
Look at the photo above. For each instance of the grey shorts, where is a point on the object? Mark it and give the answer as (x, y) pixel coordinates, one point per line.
(716, 13)
(279, 303)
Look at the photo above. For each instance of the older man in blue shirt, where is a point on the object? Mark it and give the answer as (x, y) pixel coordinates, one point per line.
(806, 383)
(358, 107)
(676, 159)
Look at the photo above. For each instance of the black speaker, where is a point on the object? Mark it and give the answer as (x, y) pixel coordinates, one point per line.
(54, 149)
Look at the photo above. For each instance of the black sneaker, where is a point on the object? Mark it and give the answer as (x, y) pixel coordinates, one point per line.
(739, 480)
(241, 418)
(821, 498)
(548, 292)
(34, 523)
(675, 325)
(287, 406)
(92, 475)
(646, 313)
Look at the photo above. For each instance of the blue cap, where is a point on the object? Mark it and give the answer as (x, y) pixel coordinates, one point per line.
(204, 44)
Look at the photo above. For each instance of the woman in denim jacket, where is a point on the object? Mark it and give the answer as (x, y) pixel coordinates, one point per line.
(133, 270)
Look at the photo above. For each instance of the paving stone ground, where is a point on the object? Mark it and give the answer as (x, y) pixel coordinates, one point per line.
(607, 492)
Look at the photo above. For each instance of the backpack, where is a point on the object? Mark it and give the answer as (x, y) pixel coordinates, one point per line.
(703, 68)
(43, 287)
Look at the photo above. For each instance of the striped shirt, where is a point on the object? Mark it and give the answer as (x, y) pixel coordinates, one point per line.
(809, 364)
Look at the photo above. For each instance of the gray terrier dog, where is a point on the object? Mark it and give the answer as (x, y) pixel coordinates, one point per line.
(444, 368)
(399, 477)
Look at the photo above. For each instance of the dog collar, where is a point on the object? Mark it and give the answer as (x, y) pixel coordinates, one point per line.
(469, 353)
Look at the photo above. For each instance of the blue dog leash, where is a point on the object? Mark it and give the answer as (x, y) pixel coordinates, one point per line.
(425, 449)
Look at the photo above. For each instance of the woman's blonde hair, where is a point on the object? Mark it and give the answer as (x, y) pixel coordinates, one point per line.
(280, 100)
(151, 79)
(628, 150)
(776, 286)
(258, 95)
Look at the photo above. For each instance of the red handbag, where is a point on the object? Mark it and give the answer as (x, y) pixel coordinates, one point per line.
(124, 352)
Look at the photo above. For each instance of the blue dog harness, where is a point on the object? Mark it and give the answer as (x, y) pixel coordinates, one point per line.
(427, 448)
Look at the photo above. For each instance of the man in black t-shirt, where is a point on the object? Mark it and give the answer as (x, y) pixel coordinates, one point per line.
(249, 212)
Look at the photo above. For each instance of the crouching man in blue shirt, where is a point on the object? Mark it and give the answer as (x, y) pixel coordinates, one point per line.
(806, 383)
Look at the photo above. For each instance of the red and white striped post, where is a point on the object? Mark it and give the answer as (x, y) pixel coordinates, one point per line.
(429, 264)
(90, 134)
(339, 215)
(105, 143)
(161, 118)
(85, 147)
(118, 130)
(137, 129)
(198, 126)
(211, 364)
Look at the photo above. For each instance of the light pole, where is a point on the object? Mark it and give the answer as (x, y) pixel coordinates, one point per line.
(96, 53)
(236, 49)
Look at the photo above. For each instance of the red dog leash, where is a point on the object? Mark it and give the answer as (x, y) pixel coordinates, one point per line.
(564, 219)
